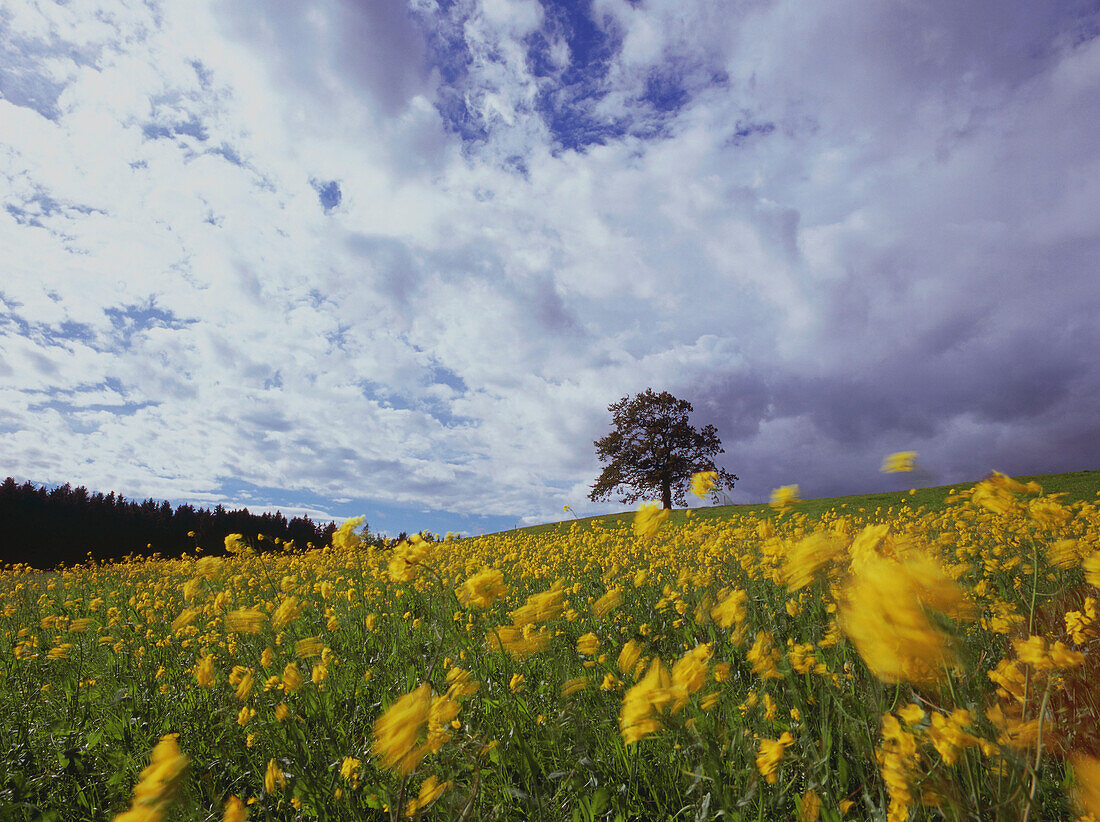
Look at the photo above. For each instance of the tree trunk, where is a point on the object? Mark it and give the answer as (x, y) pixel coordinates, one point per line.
(666, 494)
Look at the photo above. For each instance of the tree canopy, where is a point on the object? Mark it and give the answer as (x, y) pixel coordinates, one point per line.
(654, 450)
(44, 527)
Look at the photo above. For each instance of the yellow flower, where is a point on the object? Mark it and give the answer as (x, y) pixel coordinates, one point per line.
(730, 611)
(541, 607)
(689, 674)
(521, 642)
(771, 752)
(158, 784)
(649, 517)
(274, 778)
(235, 811)
(350, 769)
(186, 617)
(764, 657)
(607, 603)
(397, 732)
(1092, 569)
(589, 644)
(461, 683)
(912, 714)
(1086, 775)
(809, 555)
(408, 558)
(948, 736)
(235, 544)
(288, 611)
(785, 496)
(573, 685)
(247, 621)
(809, 809)
(997, 494)
(629, 655)
(430, 791)
(899, 461)
(636, 720)
(292, 678)
(208, 567)
(883, 614)
(204, 671)
(898, 759)
(482, 590)
(1035, 652)
(244, 687)
(703, 482)
(516, 684)
(309, 647)
(345, 538)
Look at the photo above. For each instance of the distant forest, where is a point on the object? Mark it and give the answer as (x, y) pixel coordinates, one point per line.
(47, 527)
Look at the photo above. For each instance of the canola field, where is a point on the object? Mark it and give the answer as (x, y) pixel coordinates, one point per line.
(920, 662)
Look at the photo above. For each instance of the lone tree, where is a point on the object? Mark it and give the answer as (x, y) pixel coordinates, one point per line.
(654, 450)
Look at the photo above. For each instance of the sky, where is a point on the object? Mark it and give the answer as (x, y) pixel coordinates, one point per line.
(396, 257)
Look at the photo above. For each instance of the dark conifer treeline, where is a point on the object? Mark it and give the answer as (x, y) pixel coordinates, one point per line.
(44, 527)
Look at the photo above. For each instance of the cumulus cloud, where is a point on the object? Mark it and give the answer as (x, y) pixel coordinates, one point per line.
(407, 254)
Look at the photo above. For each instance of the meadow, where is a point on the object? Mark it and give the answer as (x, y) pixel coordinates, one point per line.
(925, 655)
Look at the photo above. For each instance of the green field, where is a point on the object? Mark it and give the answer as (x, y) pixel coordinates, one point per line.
(883, 656)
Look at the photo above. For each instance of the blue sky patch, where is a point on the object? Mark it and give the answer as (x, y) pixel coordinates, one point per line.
(328, 193)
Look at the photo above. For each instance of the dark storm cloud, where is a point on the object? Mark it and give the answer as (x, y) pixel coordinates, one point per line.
(1027, 403)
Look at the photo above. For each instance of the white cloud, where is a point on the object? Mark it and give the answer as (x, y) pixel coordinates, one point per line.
(855, 230)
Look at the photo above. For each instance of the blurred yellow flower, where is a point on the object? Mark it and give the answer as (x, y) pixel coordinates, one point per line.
(274, 778)
(608, 602)
(771, 752)
(589, 644)
(1086, 777)
(636, 719)
(235, 811)
(1091, 566)
(158, 783)
(309, 647)
(883, 614)
(784, 496)
(288, 611)
(345, 538)
(430, 791)
(629, 655)
(764, 657)
(398, 731)
(235, 544)
(703, 482)
(247, 621)
(899, 461)
(482, 589)
(571, 686)
(649, 518)
(204, 671)
(292, 678)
